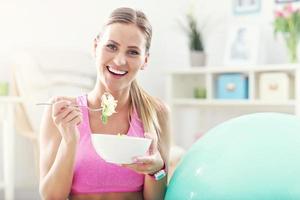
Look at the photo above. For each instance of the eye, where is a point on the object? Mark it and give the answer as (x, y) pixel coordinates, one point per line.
(133, 52)
(111, 47)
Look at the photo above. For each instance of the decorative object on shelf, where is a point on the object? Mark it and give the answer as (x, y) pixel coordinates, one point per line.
(196, 46)
(241, 7)
(287, 23)
(275, 86)
(242, 45)
(199, 92)
(197, 58)
(4, 89)
(232, 86)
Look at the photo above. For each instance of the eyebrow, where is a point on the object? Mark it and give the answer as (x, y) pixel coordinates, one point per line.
(134, 47)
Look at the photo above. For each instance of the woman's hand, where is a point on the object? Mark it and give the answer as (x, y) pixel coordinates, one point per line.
(66, 118)
(151, 163)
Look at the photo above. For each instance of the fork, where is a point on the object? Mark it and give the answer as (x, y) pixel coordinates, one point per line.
(90, 109)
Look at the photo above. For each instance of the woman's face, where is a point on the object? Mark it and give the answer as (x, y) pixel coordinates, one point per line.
(120, 54)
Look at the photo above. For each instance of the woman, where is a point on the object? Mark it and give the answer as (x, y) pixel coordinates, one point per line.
(69, 167)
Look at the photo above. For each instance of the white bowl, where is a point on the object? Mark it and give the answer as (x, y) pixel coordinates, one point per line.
(120, 149)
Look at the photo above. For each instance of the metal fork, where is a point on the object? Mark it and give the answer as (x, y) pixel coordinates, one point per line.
(90, 109)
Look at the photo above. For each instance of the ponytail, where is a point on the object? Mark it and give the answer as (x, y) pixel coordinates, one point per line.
(147, 107)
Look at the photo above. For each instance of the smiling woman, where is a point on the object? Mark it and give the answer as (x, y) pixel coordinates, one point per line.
(121, 50)
(69, 165)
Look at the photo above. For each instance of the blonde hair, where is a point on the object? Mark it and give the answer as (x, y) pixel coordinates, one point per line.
(146, 105)
(130, 16)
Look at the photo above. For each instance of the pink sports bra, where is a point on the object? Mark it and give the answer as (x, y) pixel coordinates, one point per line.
(94, 175)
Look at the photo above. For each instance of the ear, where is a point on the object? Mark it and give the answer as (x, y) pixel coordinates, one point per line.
(145, 62)
(95, 45)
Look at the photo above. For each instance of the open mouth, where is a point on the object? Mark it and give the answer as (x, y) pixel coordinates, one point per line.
(116, 72)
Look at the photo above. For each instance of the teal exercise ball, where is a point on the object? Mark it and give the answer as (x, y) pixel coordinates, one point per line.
(252, 157)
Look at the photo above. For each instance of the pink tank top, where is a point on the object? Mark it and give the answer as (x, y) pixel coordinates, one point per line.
(94, 175)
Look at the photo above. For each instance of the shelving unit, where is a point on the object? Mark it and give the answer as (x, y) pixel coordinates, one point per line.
(180, 96)
(7, 105)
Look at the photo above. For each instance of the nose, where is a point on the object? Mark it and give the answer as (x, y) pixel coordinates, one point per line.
(120, 59)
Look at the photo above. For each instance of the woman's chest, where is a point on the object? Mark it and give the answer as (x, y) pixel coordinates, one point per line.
(116, 124)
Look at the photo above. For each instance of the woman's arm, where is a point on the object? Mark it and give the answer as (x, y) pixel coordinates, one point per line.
(58, 142)
(154, 189)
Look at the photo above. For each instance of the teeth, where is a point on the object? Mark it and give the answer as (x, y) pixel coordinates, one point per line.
(116, 71)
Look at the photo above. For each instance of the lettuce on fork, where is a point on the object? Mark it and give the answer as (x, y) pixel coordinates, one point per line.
(108, 105)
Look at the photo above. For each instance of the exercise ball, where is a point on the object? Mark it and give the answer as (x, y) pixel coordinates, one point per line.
(254, 156)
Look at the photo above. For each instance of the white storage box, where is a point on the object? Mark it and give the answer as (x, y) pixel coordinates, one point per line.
(275, 86)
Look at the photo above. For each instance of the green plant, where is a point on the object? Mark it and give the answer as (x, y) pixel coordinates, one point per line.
(194, 34)
(287, 22)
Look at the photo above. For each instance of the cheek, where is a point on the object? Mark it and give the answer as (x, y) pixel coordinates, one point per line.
(102, 56)
(135, 63)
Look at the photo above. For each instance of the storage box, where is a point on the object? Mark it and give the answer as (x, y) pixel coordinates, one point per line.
(274, 86)
(232, 86)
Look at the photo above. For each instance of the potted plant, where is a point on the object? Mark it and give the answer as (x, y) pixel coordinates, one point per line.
(197, 55)
(287, 22)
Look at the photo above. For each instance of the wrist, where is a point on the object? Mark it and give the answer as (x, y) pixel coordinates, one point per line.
(163, 167)
(71, 136)
(160, 174)
(70, 140)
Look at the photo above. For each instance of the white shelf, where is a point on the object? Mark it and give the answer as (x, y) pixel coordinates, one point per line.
(234, 69)
(11, 99)
(217, 102)
(191, 115)
(7, 103)
(181, 83)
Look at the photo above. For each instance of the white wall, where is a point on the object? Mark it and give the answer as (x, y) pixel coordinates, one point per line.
(74, 24)
(67, 23)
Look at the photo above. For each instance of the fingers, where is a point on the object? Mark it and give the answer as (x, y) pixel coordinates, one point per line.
(71, 116)
(147, 164)
(144, 159)
(143, 164)
(64, 114)
(139, 167)
(153, 146)
(58, 106)
(60, 102)
(69, 113)
(76, 121)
